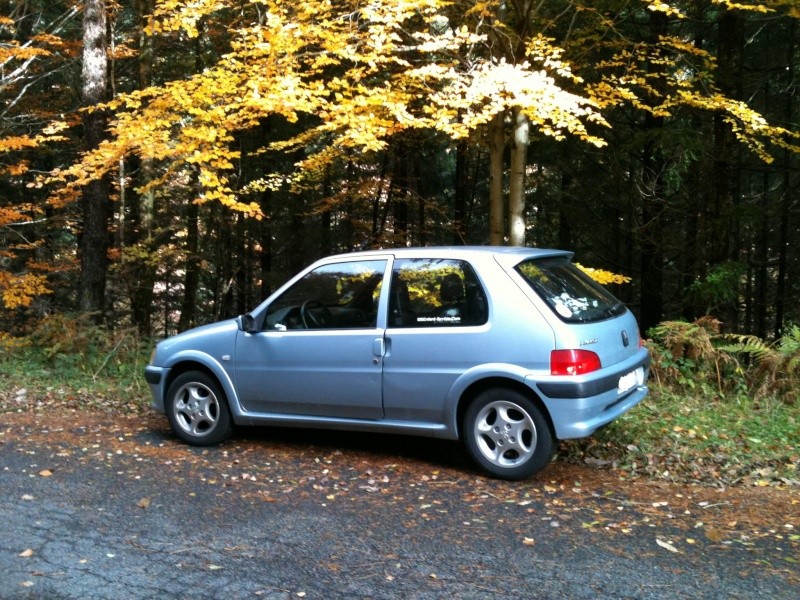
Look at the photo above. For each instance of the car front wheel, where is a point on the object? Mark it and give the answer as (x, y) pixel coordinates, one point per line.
(506, 434)
(197, 409)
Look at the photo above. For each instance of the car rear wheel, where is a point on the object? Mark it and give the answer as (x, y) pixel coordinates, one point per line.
(506, 434)
(197, 409)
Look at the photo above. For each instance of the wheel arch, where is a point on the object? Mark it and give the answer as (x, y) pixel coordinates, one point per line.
(184, 367)
(204, 364)
(481, 385)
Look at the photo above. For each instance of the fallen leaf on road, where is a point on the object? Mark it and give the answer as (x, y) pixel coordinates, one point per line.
(45, 473)
(714, 535)
(26, 553)
(528, 541)
(143, 503)
(667, 545)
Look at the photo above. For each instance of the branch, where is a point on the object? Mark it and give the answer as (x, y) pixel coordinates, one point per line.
(58, 26)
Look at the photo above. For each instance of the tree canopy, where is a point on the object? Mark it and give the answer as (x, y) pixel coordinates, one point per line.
(239, 139)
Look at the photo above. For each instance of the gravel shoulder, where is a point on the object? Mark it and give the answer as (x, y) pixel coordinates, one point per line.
(94, 505)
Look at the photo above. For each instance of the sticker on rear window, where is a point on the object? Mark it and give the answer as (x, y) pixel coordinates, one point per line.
(563, 311)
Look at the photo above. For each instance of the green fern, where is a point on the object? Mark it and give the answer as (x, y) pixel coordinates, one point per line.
(751, 345)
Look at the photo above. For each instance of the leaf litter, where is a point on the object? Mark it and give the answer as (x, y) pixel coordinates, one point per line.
(572, 497)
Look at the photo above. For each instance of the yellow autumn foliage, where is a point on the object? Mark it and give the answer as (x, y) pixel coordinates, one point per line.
(359, 73)
(20, 290)
(602, 276)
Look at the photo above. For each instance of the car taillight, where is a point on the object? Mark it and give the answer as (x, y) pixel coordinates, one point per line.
(573, 362)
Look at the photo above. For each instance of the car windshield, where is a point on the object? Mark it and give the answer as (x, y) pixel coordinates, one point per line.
(569, 292)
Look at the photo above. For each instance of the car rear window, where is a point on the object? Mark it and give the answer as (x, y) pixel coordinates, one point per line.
(569, 292)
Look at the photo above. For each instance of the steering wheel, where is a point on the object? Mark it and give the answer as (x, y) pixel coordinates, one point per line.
(315, 315)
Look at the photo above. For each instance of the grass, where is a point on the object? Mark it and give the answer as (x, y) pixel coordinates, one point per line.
(700, 437)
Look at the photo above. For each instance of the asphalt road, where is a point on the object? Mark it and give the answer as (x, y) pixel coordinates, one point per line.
(95, 506)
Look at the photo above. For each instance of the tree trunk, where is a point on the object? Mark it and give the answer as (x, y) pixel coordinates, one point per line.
(652, 231)
(191, 280)
(461, 187)
(143, 274)
(516, 186)
(496, 148)
(95, 202)
(787, 196)
(399, 194)
(566, 212)
(725, 175)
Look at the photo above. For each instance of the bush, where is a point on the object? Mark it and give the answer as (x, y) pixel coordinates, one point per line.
(69, 361)
(690, 356)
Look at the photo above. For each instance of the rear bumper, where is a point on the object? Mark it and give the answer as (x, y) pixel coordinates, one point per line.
(580, 406)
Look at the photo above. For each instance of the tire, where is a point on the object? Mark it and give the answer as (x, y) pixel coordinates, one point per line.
(198, 410)
(506, 434)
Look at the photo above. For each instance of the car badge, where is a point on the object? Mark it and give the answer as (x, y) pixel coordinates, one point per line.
(625, 341)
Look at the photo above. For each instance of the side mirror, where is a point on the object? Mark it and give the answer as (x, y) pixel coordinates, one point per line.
(247, 323)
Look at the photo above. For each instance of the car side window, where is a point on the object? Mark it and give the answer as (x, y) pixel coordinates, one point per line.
(436, 293)
(335, 296)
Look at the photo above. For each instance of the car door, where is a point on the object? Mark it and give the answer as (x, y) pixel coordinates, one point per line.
(320, 350)
(437, 319)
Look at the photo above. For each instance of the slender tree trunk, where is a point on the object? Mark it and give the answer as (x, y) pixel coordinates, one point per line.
(496, 148)
(95, 202)
(461, 187)
(787, 196)
(652, 234)
(145, 10)
(725, 176)
(691, 256)
(399, 196)
(420, 191)
(143, 276)
(516, 185)
(565, 212)
(378, 216)
(242, 264)
(652, 258)
(326, 219)
(265, 235)
(191, 280)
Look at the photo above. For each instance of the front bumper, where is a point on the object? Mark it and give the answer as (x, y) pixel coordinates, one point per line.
(155, 377)
(152, 375)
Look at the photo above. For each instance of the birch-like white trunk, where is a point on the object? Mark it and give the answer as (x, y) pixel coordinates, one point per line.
(95, 203)
(516, 183)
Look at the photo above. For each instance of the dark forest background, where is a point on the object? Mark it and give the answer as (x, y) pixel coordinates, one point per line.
(701, 223)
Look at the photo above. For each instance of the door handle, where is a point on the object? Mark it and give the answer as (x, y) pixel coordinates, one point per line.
(378, 349)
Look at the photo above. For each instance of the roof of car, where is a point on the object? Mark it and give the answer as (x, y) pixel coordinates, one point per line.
(460, 251)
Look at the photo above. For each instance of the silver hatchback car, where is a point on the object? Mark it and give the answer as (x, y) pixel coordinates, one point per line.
(506, 349)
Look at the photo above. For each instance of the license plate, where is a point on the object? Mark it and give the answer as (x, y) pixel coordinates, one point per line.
(629, 381)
